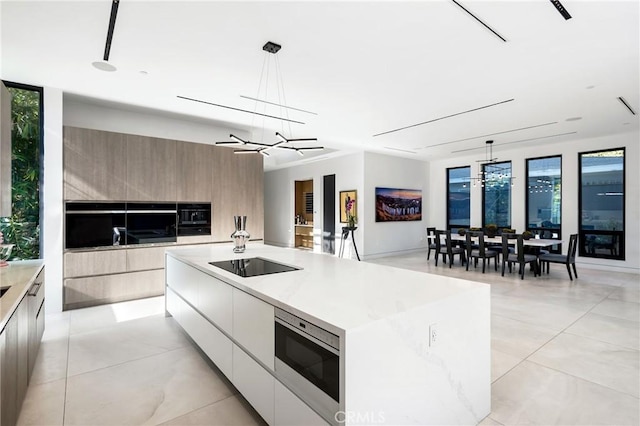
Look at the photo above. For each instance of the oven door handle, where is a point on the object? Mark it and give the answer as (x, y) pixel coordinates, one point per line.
(308, 337)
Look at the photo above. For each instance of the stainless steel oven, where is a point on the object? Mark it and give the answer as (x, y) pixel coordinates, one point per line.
(307, 360)
(93, 224)
(194, 219)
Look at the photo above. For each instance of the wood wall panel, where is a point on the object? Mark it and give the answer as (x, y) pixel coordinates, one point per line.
(151, 169)
(194, 172)
(94, 165)
(238, 189)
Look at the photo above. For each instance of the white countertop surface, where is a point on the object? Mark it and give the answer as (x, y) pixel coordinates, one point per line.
(341, 293)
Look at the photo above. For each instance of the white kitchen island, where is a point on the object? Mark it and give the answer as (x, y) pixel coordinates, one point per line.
(414, 347)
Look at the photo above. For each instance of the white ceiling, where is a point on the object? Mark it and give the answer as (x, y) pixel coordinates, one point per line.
(364, 67)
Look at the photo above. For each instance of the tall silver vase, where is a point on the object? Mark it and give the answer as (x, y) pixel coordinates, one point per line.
(240, 236)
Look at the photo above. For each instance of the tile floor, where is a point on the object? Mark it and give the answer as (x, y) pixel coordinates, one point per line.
(563, 353)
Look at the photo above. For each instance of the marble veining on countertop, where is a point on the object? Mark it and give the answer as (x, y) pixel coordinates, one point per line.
(342, 293)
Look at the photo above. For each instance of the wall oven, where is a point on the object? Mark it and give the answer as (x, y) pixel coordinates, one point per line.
(194, 219)
(151, 223)
(94, 224)
(307, 360)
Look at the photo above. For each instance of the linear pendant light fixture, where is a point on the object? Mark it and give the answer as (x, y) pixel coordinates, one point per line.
(624, 102)
(105, 65)
(283, 143)
(561, 9)
(490, 173)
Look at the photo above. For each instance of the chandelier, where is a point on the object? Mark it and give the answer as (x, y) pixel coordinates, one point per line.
(492, 174)
(283, 143)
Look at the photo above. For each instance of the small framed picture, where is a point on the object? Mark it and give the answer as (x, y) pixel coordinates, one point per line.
(348, 199)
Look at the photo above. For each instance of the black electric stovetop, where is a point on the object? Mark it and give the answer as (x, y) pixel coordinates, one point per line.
(253, 266)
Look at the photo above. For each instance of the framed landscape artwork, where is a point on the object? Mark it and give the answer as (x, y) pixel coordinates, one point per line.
(396, 204)
(345, 197)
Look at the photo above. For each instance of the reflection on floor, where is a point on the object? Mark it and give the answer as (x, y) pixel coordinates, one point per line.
(563, 353)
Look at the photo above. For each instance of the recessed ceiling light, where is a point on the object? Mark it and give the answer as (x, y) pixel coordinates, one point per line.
(590, 87)
(573, 119)
(143, 72)
(103, 66)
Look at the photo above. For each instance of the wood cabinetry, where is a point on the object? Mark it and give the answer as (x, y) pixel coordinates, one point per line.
(5, 151)
(304, 236)
(151, 169)
(19, 344)
(238, 189)
(194, 163)
(94, 165)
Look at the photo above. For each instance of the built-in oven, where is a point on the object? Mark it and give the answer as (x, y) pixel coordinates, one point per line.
(307, 360)
(194, 219)
(94, 224)
(151, 223)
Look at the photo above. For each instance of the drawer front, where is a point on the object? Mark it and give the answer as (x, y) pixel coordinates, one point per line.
(90, 291)
(291, 411)
(140, 259)
(254, 383)
(215, 301)
(99, 262)
(253, 326)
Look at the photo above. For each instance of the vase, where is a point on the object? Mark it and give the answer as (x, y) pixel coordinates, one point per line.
(240, 236)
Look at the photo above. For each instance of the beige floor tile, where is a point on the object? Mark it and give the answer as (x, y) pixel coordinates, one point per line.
(608, 365)
(232, 411)
(501, 363)
(531, 394)
(51, 362)
(627, 292)
(147, 391)
(618, 309)
(96, 317)
(43, 404)
(608, 329)
(534, 312)
(516, 337)
(123, 342)
(488, 421)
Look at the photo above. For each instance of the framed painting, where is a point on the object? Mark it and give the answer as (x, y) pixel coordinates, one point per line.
(347, 197)
(398, 205)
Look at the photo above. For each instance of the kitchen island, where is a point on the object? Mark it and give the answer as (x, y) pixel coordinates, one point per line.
(412, 348)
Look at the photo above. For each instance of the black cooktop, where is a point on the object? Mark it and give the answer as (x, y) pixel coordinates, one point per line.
(253, 266)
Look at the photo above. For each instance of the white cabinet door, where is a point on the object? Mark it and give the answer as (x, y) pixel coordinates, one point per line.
(173, 304)
(182, 279)
(254, 383)
(215, 301)
(253, 326)
(216, 345)
(291, 411)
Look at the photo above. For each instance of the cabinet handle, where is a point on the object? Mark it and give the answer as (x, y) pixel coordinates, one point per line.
(37, 289)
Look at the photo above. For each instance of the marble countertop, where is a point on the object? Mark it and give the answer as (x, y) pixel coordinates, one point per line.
(18, 276)
(339, 294)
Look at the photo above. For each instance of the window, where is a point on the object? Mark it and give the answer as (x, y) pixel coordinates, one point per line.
(458, 198)
(496, 194)
(544, 197)
(601, 200)
(23, 227)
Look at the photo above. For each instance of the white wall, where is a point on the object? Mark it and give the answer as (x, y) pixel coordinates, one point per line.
(570, 208)
(362, 172)
(386, 238)
(99, 117)
(279, 202)
(52, 239)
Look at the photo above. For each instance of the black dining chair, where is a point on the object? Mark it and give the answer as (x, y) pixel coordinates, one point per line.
(568, 259)
(431, 241)
(448, 251)
(520, 257)
(481, 252)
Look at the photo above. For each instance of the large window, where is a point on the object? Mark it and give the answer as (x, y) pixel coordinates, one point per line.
(496, 194)
(23, 227)
(602, 204)
(544, 197)
(458, 198)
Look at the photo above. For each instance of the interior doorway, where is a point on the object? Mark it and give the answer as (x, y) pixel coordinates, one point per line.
(303, 214)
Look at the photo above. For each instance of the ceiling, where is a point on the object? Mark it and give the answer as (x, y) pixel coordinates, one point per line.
(364, 68)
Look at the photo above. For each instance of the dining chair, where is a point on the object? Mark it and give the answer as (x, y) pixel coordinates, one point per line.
(448, 251)
(519, 257)
(568, 259)
(481, 252)
(431, 237)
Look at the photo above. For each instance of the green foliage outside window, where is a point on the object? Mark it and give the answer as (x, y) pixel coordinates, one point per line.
(23, 227)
